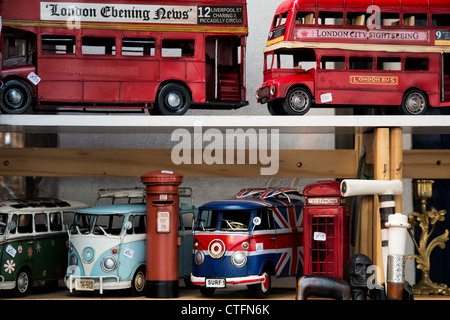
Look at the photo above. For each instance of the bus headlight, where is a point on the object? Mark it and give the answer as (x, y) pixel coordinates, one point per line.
(257, 94)
(238, 259)
(199, 258)
(108, 264)
(273, 90)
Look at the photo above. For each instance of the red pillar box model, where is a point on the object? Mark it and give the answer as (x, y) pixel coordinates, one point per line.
(162, 196)
(325, 229)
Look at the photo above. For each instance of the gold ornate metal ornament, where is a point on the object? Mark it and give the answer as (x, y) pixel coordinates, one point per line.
(427, 221)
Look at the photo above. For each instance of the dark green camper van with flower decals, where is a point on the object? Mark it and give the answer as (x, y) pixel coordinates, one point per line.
(33, 241)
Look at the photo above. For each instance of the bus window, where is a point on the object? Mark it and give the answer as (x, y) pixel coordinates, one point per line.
(360, 63)
(138, 47)
(389, 63)
(25, 223)
(334, 18)
(390, 19)
(99, 46)
(357, 18)
(283, 18)
(58, 44)
(294, 59)
(332, 63)
(415, 19)
(177, 48)
(55, 221)
(40, 222)
(304, 17)
(416, 64)
(19, 48)
(440, 20)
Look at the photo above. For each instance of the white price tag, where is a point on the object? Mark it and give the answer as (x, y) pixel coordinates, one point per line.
(34, 78)
(326, 97)
(129, 253)
(11, 251)
(320, 236)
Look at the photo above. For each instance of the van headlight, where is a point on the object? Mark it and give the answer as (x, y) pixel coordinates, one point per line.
(238, 259)
(108, 264)
(199, 258)
(73, 260)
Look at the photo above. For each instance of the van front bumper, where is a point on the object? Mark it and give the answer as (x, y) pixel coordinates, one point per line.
(248, 280)
(100, 283)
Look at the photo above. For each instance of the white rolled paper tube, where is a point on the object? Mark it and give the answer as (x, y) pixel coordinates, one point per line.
(397, 225)
(356, 187)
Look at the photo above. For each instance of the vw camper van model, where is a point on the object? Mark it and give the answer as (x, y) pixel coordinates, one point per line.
(246, 240)
(33, 241)
(107, 244)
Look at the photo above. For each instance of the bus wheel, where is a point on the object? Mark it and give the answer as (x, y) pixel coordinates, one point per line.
(275, 108)
(138, 283)
(297, 102)
(261, 290)
(23, 283)
(173, 99)
(15, 97)
(207, 292)
(414, 102)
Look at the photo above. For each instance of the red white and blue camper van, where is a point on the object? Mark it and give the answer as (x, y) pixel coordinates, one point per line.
(246, 240)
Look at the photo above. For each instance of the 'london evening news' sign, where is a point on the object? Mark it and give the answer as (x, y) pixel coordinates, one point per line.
(135, 13)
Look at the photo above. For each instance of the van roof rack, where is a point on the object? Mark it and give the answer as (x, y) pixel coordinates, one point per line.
(134, 193)
(266, 193)
(121, 193)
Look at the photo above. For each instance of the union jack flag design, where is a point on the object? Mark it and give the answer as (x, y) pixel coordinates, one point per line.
(290, 262)
(287, 216)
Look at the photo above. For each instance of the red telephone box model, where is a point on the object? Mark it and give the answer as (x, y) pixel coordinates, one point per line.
(325, 229)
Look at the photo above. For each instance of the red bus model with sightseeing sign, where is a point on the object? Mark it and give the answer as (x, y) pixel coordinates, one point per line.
(388, 53)
(159, 55)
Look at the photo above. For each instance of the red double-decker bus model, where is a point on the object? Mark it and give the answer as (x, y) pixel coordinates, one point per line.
(329, 53)
(159, 55)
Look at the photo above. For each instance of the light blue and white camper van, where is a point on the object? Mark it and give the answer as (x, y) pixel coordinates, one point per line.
(107, 243)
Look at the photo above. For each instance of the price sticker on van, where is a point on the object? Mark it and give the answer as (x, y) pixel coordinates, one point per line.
(11, 251)
(163, 222)
(320, 236)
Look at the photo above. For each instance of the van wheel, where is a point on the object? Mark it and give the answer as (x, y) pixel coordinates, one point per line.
(261, 290)
(15, 97)
(207, 292)
(173, 99)
(138, 283)
(23, 283)
(297, 102)
(415, 102)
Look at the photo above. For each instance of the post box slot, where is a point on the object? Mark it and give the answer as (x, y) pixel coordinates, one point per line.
(163, 202)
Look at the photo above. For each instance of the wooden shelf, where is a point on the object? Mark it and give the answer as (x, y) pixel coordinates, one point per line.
(90, 162)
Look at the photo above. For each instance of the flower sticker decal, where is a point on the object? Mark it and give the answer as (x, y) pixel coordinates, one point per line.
(38, 246)
(9, 266)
